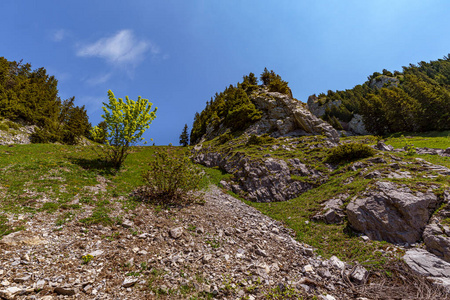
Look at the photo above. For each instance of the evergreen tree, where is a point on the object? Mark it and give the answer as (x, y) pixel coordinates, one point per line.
(184, 137)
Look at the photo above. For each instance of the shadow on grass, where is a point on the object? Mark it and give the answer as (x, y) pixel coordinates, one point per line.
(94, 164)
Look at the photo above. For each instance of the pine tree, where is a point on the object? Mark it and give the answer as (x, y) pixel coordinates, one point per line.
(184, 137)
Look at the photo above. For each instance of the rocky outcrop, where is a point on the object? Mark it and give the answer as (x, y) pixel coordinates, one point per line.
(383, 81)
(317, 108)
(260, 180)
(356, 125)
(392, 213)
(285, 116)
(21, 135)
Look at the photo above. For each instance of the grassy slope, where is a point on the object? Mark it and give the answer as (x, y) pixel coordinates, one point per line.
(30, 173)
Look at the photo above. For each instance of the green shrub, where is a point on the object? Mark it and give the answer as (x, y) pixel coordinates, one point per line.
(225, 138)
(170, 180)
(259, 140)
(4, 127)
(12, 125)
(349, 152)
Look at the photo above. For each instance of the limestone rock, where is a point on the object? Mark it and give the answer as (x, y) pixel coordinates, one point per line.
(359, 275)
(289, 117)
(437, 241)
(332, 213)
(429, 265)
(391, 213)
(176, 232)
(317, 108)
(22, 238)
(383, 147)
(383, 81)
(357, 126)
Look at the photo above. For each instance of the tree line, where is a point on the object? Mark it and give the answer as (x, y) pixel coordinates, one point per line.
(415, 100)
(31, 97)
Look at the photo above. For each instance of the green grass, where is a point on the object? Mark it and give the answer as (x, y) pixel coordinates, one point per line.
(439, 140)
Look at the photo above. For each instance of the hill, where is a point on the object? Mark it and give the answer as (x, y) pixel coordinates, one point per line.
(250, 108)
(417, 99)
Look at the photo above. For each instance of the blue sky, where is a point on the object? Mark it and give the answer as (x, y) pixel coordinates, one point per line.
(179, 53)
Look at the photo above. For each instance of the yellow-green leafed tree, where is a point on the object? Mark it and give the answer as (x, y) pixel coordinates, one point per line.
(126, 122)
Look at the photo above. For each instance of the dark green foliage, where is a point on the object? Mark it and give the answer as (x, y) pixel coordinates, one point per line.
(32, 96)
(234, 107)
(259, 140)
(349, 152)
(274, 82)
(184, 137)
(225, 138)
(419, 101)
(171, 179)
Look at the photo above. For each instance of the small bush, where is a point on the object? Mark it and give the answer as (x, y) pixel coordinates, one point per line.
(170, 180)
(225, 138)
(4, 127)
(349, 152)
(259, 140)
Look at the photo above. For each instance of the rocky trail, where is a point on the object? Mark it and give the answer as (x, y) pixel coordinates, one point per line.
(223, 249)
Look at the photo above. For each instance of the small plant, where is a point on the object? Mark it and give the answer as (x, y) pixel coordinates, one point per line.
(225, 138)
(213, 243)
(170, 180)
(349, 152)
(409, 147)
(86, 258)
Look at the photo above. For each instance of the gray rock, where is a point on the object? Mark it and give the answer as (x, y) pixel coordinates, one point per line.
(129, 281)
(127, 224)
(176, 232)
(437, 241)
(336, 263)
(392, 213)
(357, 126)
(383, 147)
(359, 275)
(332, 212)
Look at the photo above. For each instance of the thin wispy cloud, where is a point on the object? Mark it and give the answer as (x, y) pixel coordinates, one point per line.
(58, 35)
(100, 79)
(123, 48)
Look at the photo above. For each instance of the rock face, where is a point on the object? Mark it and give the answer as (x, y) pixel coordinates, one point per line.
(392, 213)
(19, 136)
(332, 213)
(285, 116)
(437, 234)
(429, 265)
(383, 81)
(261, 180)
(317, 108)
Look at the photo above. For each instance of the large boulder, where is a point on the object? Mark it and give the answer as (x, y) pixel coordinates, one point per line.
(318, 108)
(391, 212)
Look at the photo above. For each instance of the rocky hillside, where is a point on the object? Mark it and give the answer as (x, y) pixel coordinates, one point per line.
(414, 100)
(391, 196)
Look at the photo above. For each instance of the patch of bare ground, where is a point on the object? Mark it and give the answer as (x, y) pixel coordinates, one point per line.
(223, 249)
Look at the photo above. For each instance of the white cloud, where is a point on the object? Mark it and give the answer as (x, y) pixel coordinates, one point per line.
(58, 35)
(123, 48)
(96, 80)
